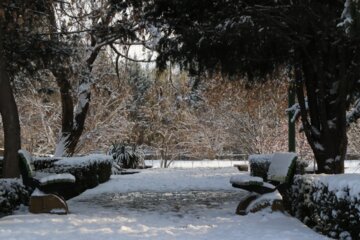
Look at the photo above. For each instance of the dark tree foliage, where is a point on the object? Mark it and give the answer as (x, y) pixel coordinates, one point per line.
(26, 33)
(255, 37)
(216, 35)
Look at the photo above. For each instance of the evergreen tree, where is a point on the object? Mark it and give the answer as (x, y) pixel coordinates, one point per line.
(21, 48)
(253, 38)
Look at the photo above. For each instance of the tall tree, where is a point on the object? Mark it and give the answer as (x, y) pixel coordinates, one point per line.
(253, 38)
(19, 50)
(9, 115)
(90, 27)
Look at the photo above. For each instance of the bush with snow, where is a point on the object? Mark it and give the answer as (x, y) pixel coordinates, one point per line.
(126, 157)
(12, 194)
(330, 204)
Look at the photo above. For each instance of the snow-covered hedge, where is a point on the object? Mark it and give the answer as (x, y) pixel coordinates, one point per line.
(329, 204)
(41, 163)
(126, 157)
(89, 170)
(12, 194)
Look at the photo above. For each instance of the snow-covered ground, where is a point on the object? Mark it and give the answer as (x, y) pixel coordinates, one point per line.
(197, 203)
(351, 166)
(195, 164)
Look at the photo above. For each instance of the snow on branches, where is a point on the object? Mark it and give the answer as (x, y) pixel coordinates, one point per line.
(349, 16)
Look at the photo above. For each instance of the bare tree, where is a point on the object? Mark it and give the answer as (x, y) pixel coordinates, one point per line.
(94, 26)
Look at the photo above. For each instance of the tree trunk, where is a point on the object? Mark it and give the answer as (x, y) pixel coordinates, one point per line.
(329, 147)
(331, 160)
(326, 84)
(10, 118)
(73, 119)
(73, 123)
(70, 135)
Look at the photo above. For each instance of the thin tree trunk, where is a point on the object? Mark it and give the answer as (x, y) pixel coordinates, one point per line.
(73, 119)
(10, 118)
(67, 107)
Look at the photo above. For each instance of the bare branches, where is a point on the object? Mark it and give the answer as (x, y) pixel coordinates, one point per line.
(354, 114)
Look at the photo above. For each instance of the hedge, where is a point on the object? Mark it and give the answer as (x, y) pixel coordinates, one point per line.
(12, 194)
(329, 204)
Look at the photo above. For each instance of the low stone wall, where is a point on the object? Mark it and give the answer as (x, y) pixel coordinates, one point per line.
(329, 204)
(89, 171)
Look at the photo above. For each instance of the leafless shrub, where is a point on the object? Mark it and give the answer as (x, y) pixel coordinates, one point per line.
(354, 140)
(227, 117)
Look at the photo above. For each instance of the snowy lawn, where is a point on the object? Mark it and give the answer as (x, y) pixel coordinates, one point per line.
(196, 203)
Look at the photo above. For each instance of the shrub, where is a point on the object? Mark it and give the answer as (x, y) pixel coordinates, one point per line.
(12, 194)
(329, 204)
(126, 156)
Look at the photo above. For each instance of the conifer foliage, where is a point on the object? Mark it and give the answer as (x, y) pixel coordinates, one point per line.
(319, 40)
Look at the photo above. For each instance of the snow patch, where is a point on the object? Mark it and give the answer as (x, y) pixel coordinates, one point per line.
(244, 178)
(280, 164)
(60, 146)
(84, 160)
(260, 158)
(337, 183)
(269, 197)
(319, 146)
(346, 16)
(39, 193)
(63, 177)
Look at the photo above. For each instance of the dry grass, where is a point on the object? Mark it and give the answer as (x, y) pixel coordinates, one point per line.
(231, 117)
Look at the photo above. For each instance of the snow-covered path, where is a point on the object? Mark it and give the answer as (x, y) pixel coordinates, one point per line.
(157, 204)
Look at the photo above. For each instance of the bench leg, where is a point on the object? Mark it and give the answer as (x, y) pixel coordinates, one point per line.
(244, 203)
(49, 203)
